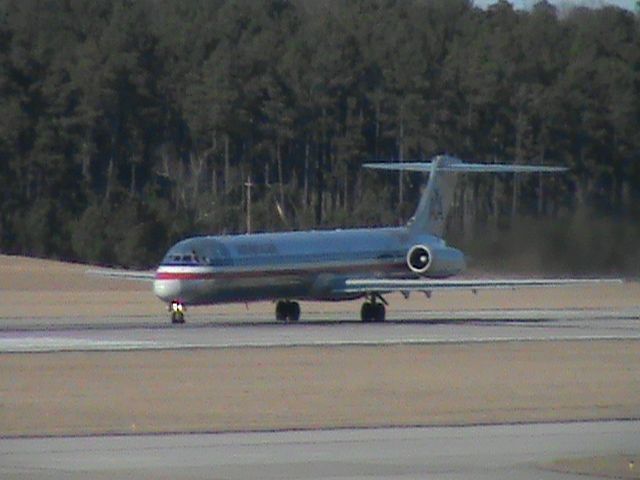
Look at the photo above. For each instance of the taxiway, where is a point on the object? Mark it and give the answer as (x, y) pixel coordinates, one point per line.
(488, 452)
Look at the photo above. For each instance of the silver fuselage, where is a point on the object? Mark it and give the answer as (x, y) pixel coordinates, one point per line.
(291, 265)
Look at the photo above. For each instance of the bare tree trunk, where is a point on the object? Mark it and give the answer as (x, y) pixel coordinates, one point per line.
(110, 172)
(626, 195)
(280, 174)
(330, 165)
(345, 198)
(495, 200)
(401, 159)
(196, 166)
(249, 185)
(319, 185)
(305, 202)
(468, 140)
(182, 189)
(541, 184)
(475, 204)
(27, 183)
(514, 198)
(322, 151)
(616, 184)
(377, 131)
(582, 188)
(86, 163)
(459, 207)
(132, 185)
(467, 206)
(227, 180)
(243, 198)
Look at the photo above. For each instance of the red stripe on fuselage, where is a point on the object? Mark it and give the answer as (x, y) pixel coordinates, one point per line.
(184, 276)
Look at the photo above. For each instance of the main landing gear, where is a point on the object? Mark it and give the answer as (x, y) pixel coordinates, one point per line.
(287, 311)
(372, 311)
(177, 312)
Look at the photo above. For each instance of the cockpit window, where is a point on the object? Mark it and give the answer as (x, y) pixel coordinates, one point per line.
(182, 258)
(213, 253)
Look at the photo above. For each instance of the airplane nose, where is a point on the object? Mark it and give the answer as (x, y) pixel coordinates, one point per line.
(167, 290)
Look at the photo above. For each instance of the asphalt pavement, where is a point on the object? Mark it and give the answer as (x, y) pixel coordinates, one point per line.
(73, 334)
(487, 452)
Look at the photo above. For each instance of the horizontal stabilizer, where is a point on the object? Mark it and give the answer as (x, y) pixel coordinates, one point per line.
(456, 165)
(437, 197)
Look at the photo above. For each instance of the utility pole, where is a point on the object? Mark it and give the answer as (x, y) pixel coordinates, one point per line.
(249, 184)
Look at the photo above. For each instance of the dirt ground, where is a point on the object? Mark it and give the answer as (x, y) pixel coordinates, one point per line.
(41, 288)
(331, 387)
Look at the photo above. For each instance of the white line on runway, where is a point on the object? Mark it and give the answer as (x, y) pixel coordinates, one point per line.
(38, 344)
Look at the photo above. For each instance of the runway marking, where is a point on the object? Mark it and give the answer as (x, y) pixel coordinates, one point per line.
(53, 345)
(39, 344)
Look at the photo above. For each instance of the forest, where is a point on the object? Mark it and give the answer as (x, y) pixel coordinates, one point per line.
(126, 125)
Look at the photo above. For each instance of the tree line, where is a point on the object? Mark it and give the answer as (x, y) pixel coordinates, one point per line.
(126, 125)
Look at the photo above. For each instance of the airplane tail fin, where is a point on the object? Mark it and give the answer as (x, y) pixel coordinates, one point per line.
(437, 196)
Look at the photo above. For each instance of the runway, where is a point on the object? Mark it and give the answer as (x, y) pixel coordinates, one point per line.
(473, 452)
(491, 452)
(71, 334)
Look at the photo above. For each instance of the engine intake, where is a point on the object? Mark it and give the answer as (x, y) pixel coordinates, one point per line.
(419, 259)
(435, 261)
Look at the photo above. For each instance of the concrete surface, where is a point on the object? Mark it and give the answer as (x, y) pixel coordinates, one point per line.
(481, 326)
(490, 452)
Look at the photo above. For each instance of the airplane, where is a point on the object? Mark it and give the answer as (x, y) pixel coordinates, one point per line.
(333, 265)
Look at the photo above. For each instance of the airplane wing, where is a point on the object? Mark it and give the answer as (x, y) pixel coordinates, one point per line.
(146, 276)
(383, 285)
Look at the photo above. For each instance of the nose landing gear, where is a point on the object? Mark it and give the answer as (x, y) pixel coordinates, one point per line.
(177, 312)
(287, 311)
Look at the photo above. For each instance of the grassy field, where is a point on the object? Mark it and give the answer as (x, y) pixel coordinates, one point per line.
(284, 388)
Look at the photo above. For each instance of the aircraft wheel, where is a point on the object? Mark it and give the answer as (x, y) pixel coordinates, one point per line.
(281, 311)
(177, 313)
(366, 312)
(294, 311)
(177, 318)
(287, 311)
(372, 312)
(378, 312)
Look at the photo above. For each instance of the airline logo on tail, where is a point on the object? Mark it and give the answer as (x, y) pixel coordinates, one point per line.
(436, 213)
